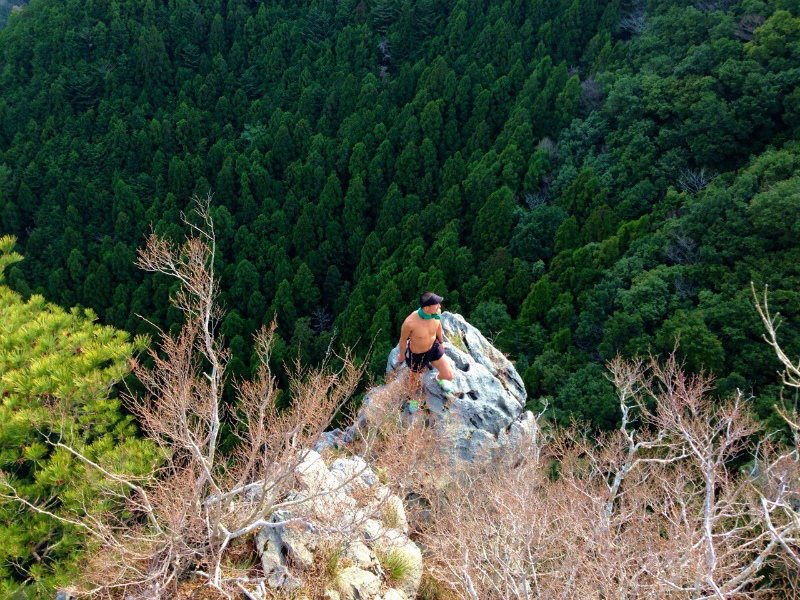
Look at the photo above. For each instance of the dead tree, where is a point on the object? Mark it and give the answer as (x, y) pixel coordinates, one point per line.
(651, 511)
(694, 181)
(634, 20)
(780, 492)
(185, 517)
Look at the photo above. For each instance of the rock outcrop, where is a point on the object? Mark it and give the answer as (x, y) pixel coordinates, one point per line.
(369, 524)
(486, 415)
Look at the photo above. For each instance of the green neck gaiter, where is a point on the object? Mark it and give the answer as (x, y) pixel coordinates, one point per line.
(423, 315)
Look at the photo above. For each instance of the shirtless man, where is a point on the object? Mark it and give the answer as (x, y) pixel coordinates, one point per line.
(422, 340)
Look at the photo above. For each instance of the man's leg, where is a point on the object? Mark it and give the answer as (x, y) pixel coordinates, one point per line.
(414, 364)
(441, 365)
(445, 379)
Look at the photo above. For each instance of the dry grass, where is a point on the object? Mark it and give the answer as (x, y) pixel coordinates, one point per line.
(432, 589)
(390, 517)
(324, 574)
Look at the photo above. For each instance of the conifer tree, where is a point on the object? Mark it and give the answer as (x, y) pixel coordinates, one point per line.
(56, 362)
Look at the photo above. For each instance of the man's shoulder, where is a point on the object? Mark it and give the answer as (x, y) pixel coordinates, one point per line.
(411, 319)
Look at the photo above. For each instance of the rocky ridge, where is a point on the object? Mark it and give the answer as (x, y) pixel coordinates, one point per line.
(340, 516)
(485, 416)
(357, 525)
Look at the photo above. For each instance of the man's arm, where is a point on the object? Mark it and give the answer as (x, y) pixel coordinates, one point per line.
(405, 332)
(440, 334)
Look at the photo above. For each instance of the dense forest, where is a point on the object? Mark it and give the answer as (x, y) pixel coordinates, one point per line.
(577, 178)
(6, 7)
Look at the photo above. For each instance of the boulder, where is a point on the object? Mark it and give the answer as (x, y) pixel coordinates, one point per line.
(346, 498)
(358, 584)
(360, 555)
(394, 594)
(295, 544)
(486, 413)
(313, 474)
(269, 546)
(485, 416)
(354, 473)
(412, 556)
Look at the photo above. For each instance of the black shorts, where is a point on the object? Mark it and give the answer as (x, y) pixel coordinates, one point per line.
(417, 362)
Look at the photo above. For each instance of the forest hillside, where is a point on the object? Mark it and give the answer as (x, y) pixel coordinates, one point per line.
(579, 179)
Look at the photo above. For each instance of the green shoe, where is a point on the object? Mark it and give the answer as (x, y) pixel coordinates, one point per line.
(446, 385)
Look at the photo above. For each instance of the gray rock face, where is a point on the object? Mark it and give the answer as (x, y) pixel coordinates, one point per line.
(270, 545)
(348, 498)
(360, 555)
(487, 412)
(358, 584)
(484, 417)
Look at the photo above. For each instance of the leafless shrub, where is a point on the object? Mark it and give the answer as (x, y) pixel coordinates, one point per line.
(780, 494)
(402, 442)
(406, 450)
(549, 146)
(745, 28)
(321, 319)
(693, 181)
(537, 198)
(203, 500)
(591, 94)
(645, 512)
(681, 249)
(384, 45)
(790, 376)
(634, 21)
(685, 287)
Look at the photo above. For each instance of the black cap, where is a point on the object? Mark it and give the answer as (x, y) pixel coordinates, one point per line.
(429, 299)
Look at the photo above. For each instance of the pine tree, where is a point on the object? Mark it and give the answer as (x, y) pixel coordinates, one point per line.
(56, 372)
(495, 221)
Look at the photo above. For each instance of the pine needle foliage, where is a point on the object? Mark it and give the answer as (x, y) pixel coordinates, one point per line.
(58, 369)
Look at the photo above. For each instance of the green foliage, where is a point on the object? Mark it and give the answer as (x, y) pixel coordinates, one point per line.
(56, 370)
(396, 563)
(578, 188)
(432, 589)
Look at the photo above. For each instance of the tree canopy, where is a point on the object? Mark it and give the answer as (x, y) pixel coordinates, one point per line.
(581, 179)
(62, 363)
